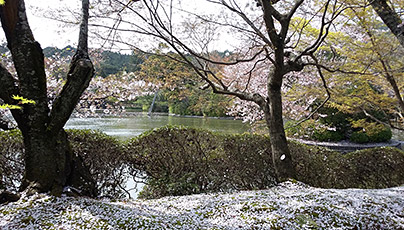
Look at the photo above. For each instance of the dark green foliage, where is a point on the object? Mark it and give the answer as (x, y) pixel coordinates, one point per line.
(113, 62)
(109, 63)
(381, 136)
(104, 157)
(180, 161)
(183, 161)
(334, 125)
(101, 153)
(328, 135)
(11, 155)
(248, 161)
(359, 137)
(335, 118)
(198, 103)
(176, 159)
(369, 168)
(221, 162)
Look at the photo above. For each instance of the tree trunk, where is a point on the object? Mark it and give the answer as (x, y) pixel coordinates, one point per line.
(50, 165)
(390, 18)
(281, 157)
(396, 90)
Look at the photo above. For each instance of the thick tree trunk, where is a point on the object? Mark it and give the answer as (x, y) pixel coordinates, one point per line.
(49, 162)
(50, 165)
(281, 157)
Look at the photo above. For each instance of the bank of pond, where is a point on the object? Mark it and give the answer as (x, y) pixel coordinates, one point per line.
(175, 160)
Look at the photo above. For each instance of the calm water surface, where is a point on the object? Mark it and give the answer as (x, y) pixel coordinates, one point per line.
(127, 127)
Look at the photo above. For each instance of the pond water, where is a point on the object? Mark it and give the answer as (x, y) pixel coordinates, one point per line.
(128, 127)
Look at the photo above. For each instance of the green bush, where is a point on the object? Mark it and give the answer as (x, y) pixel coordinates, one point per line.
(383, 135)
(328, 135)
(105, 158)
(222, 162)
(101, 153)
(379, 134)
(359, 137)
(312, 130)
(334, 125)
(11, 163)
(181, 161)
(369, 168)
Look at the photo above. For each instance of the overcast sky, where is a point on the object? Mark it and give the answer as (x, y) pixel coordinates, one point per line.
(49, 32)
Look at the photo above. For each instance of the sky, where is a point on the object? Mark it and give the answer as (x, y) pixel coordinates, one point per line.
(50, 32)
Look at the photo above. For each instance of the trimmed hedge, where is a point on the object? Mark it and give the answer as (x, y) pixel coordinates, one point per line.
(381, 167)
(105, 158)
(11, 164)
(180, 161)
(183, 161)
(101, 153)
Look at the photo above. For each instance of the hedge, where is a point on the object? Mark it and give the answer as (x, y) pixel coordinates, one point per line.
(101, 153)
(180, 161)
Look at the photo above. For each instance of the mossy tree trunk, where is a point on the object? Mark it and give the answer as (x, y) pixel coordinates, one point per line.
(49, 161)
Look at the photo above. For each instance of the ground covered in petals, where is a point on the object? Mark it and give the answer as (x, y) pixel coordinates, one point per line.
(291, 205)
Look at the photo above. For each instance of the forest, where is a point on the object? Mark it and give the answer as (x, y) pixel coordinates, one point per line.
(328, 72)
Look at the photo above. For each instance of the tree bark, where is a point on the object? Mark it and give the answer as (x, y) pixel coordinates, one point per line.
(390, 18)
(282, 160)
(50, 164)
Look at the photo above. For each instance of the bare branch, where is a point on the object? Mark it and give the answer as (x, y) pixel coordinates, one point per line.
(320, 73)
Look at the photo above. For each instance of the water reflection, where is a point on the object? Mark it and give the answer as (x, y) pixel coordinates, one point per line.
(127, 127)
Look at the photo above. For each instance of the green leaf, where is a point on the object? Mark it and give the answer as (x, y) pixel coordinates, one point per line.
(2, 2)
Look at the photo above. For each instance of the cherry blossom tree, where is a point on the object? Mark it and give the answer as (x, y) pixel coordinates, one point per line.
(271, 41)
(50, 164)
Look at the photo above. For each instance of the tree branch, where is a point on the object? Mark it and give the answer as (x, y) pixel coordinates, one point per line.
(80, 73)
(320, 73)
(390, 18)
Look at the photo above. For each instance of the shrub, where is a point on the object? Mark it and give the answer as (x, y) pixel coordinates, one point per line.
(359, 137)
(381, 167)
(105, 158)
(11, 163)
(334, 125)
(312, 130)
(222, 162)
(370, 132)
(180, 161)
(328, 135)
(103, 155)
(382, 135)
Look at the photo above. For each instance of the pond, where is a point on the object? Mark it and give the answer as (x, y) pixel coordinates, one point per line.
(128, 127)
